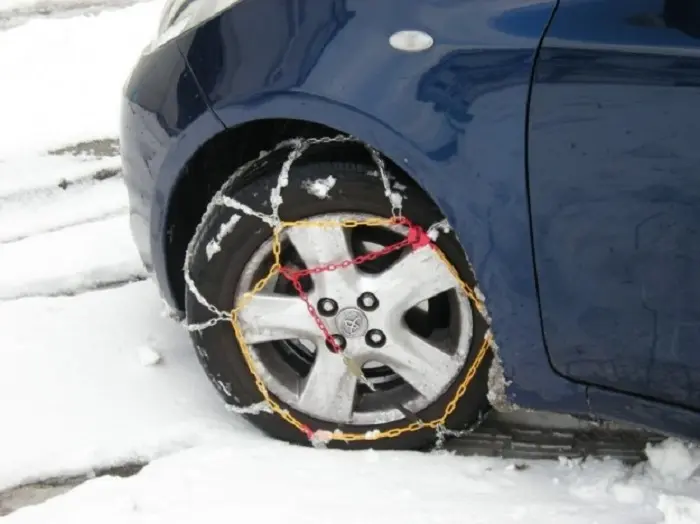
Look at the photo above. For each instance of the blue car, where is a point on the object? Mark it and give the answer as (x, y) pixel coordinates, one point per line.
(381, 219)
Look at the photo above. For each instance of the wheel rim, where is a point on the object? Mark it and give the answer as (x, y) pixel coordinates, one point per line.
(403, 318)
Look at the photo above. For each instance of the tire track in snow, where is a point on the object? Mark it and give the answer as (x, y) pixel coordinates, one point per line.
(43, 176)
(71, 260)
(15, 16)
(81, 289)
(66, 231)
(38, 492)
(65, 225)
(53, 209)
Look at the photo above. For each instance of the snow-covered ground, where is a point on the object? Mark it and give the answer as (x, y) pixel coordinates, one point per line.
(92, 374)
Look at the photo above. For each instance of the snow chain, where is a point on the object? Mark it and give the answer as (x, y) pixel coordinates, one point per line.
(416, 239)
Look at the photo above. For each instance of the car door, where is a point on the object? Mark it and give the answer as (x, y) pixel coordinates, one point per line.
(614, 181)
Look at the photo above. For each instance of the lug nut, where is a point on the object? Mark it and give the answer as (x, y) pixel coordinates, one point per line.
(368, 301)
(339, 341)
(328, 307)
(375, 338)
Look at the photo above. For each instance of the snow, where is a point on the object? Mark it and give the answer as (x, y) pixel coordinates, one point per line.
(679, 509)
(674, 459)
(69, 73)
(439, 227)
(273, 482)
(319, 187)
(214, 245)
(77, 372)
(8, 5)
(149, 356)
(81, 397)
(93, 373)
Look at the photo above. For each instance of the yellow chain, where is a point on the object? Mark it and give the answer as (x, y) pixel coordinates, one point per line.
(345, 222)
(341, 435)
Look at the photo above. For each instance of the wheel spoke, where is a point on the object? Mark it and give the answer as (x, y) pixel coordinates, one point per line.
(422, 365)
(418, 276)
(319, 246)
(270, 316)
(329, 389)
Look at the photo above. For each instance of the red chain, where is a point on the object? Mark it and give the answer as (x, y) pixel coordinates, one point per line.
(416, 238)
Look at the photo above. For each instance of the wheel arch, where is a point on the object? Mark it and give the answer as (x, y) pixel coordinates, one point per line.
(189, 190)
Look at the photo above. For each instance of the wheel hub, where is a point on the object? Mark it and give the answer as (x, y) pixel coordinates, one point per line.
(351, 322)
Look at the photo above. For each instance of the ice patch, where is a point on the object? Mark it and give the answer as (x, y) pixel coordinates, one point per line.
(320, 187)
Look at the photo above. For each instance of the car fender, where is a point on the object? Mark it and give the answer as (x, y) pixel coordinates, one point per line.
(453, 117)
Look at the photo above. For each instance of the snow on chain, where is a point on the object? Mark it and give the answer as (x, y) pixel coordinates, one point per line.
(298, 146)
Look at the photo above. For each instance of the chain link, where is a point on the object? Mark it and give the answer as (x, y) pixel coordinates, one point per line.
(395, 199)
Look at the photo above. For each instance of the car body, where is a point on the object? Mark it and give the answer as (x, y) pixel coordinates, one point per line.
(558, 137)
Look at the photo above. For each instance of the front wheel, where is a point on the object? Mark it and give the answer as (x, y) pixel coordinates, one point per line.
(403, 318)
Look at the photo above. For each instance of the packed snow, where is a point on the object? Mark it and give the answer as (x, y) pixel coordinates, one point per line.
(94, 373)
(270, 482)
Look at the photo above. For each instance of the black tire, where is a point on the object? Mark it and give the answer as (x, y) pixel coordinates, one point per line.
(216, 279)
